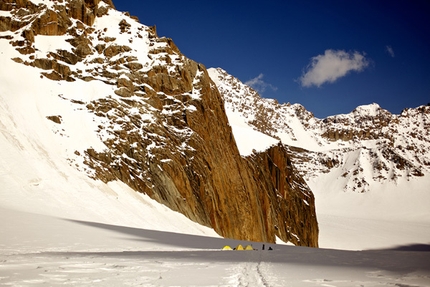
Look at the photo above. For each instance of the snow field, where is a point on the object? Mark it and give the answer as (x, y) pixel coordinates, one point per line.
(48, 251)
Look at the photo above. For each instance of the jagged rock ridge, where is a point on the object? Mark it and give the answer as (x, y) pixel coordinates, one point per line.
(163, 123)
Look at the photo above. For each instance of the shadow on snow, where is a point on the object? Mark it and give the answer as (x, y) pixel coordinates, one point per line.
(402, 259)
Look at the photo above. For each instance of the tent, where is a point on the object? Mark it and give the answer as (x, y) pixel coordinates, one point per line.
(239, 247)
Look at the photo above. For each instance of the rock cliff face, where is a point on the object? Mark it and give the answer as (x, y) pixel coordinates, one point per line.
(163, 124)
(288, 195)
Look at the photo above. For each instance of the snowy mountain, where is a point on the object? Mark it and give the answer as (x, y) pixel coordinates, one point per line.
(120, 158)
(105, 98)
(369, 145)
(105, 95)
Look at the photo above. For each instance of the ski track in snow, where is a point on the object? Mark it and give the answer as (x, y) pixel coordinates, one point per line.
(250, 273)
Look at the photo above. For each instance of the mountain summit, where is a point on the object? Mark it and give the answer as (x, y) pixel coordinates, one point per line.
(119, 103)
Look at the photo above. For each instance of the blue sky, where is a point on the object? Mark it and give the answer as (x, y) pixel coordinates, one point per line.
(329, 56)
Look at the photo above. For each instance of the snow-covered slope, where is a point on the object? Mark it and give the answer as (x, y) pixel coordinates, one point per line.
(238, 95)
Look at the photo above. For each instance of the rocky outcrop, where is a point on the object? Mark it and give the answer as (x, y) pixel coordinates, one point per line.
(53, 20)
(361, 124)
(164, 124)
(49, 21)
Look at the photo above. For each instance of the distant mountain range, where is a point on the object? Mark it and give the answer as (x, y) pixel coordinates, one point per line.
(366, 146)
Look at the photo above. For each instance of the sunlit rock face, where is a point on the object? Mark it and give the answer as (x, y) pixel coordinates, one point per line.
(162, 123)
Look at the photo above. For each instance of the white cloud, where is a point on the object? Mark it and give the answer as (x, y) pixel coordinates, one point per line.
(390, 51)
(259, 85)
(331, 66)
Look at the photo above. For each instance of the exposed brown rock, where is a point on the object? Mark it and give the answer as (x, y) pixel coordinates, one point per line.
(60, 71)
(123, 92)
(291, 203)
(51, 23)
(55, 119)
(134, 66)
(124, 26)
(114, 50)
(28, 35)
(66, 56)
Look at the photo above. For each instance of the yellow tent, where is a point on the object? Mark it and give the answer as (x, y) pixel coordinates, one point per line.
(239, 247)
(226, 248)
(249, 247)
